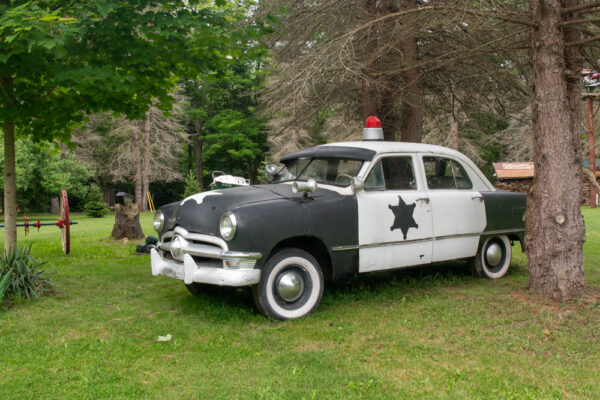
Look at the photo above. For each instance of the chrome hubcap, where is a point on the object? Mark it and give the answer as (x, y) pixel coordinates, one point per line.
(493, 254)
(290, 286)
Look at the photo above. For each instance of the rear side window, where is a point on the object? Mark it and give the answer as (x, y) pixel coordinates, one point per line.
(392, 173)
(444, 173)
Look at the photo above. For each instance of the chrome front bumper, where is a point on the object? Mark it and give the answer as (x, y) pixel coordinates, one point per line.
(189, 271)
(217, 266)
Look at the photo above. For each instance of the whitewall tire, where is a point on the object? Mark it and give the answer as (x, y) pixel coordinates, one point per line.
(493, 257)
(291, 285)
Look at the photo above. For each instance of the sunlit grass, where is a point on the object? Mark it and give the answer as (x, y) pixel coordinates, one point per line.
(431, 333)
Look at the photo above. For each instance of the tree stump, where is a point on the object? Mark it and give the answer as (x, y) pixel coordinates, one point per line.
(127, 222)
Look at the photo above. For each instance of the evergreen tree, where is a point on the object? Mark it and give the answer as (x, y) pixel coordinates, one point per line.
(95, 206)
(191, 185)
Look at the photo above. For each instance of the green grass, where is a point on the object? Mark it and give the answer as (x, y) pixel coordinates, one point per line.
(431, 333)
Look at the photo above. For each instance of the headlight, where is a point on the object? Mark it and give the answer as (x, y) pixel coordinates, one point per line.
(228, 225)
(159, 221)
(176, 247)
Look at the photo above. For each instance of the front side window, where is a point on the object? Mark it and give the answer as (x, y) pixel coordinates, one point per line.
(444, 173)
(331, 170)
(392, 173)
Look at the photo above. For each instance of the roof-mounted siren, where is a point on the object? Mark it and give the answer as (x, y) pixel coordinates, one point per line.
(372, 130)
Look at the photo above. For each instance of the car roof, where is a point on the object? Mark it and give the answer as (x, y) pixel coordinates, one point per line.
(399, 147)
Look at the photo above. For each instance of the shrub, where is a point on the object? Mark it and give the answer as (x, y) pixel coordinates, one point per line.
(191, 185)
(22, 277)
(94, 205)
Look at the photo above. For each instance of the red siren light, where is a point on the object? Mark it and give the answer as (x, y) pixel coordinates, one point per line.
(372, 130)
(373, 122)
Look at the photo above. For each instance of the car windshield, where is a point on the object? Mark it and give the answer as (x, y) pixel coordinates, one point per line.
(331, 170)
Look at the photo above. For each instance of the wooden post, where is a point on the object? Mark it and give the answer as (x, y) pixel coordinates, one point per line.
(591, 145)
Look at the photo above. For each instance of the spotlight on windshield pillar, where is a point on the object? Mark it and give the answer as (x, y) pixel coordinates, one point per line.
(372, 130)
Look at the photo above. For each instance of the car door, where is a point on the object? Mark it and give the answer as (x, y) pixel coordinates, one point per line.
(458, 210)
(395, 220)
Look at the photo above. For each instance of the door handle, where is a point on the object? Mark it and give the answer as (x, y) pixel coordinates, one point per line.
(480, 198)
(424, 199)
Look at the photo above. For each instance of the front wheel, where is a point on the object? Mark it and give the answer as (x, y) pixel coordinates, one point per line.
(291, 285)
(493, 257)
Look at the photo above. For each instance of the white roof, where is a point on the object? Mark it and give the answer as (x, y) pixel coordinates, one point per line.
(399, 147)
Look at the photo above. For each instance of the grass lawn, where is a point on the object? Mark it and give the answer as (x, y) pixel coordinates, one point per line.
(431, 333)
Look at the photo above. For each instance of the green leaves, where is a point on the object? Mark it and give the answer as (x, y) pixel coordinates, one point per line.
(21, 275)
(44, 169)
(66, 59)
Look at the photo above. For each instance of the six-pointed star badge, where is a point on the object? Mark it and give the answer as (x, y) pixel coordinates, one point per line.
(403, 216)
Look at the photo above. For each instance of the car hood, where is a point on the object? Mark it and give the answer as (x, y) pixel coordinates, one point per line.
(202, 212)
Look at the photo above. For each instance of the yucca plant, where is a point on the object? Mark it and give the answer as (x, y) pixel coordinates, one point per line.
(21, 276)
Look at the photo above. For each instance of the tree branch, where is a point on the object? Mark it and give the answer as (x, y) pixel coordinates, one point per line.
(583, 41)
(579, 21)
(580, 7)
(592, 179)
(503, 17)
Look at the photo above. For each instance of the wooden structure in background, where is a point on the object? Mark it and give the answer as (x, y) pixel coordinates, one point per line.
(589, 97)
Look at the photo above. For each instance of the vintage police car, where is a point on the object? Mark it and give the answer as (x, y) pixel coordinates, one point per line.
(335, 211)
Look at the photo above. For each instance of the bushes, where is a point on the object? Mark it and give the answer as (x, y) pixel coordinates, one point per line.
(22, 277)
(95, 206)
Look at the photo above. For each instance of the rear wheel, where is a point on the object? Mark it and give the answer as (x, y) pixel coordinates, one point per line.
(291, 285)
(493, 258)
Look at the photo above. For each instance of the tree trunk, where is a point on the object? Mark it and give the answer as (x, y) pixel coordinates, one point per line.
(380, 95)
(54, 205)
(412, 118)
(453, 135)
(198, 148)
(127, 222)
(137, 158)
(554, 225)
(10, 188)
(146, 163)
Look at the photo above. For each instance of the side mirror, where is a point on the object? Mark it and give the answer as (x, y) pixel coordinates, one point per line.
(271, 171)
(357, 184)
(307, 187)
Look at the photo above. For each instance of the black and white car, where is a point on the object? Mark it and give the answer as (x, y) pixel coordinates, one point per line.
(335, 211)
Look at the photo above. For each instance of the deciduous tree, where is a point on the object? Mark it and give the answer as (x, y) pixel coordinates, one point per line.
(60, 60)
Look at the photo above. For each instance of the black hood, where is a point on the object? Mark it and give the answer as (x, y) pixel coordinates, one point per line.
(201, 213)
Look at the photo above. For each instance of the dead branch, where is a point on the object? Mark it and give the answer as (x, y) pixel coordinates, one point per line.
(581, 7)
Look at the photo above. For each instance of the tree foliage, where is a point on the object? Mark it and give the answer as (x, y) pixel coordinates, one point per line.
(42, 171)
(61, 60)
(226, 130)
(191, 185)
(95, 206)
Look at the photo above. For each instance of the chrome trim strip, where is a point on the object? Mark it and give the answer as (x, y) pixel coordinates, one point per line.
(238, 254)
(367, 246)
(435, 238)
(212, 247)
(199, 237)
(167, 235)
(343, 248)
(514, 230)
